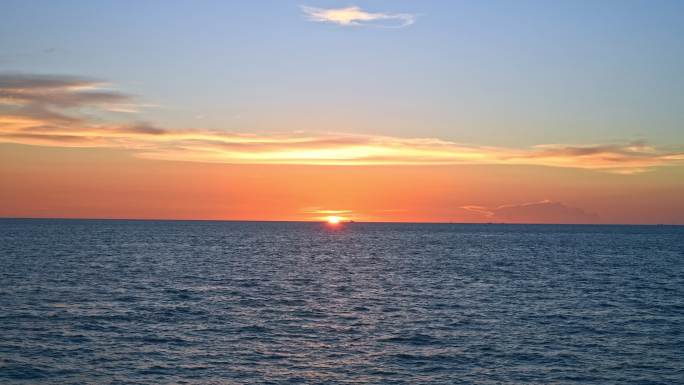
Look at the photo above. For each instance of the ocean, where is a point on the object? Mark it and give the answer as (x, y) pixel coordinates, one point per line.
(195, 302)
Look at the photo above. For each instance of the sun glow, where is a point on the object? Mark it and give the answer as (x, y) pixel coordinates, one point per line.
(333, 220)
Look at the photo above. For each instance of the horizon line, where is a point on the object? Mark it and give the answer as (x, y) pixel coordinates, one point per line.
(343, 223)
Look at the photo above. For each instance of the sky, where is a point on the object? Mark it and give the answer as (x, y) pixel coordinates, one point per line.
(436, 111)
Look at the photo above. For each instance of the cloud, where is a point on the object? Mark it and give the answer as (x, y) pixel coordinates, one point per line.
(355, 16)
(56, 99)
(65, 112)
(318, 210)
(535, 212)
(56, 91)
(323, 214)
(625, 158)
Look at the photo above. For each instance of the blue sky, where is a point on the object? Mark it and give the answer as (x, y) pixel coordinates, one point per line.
(509, 73)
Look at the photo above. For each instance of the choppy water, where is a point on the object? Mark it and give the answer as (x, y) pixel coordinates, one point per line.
(236, 303)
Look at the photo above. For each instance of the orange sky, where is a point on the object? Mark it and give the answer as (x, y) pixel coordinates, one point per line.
(71, 147)
(102, 183)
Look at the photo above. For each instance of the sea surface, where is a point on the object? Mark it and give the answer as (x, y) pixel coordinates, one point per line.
(162, 302)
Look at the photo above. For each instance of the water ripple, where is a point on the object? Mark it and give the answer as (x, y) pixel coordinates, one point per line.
(115, 302)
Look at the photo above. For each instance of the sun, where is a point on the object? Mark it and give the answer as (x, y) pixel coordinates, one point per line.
(333, 220)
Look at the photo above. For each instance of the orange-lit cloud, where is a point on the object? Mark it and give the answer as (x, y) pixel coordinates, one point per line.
(325, 214)
(41, 181)
(355, 16)
(49, 111)
(318, 210)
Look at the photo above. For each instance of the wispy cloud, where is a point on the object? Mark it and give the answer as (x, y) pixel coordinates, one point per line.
(355, 16)
(322, 214)
(63, 111)
(318, 210)
(52, 97)
(545, 211)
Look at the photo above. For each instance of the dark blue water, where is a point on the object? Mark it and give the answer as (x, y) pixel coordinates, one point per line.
(237, 303)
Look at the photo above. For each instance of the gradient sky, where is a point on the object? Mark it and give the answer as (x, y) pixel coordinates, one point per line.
(511, 111)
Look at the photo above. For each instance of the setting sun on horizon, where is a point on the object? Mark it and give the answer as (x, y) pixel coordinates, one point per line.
(444, 112)
(330, 192)
(333, 220)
